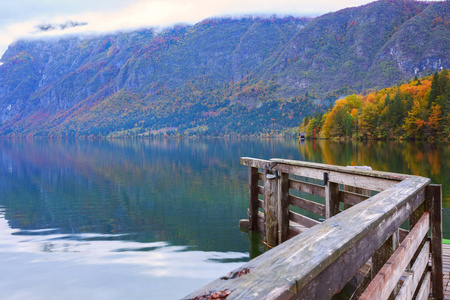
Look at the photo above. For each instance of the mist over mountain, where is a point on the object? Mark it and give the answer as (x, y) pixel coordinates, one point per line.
(246, 75)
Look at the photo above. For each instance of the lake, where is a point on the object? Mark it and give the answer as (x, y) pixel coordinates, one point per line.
(151, 219)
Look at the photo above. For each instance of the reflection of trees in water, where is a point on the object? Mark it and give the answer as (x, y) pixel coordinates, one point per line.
(417, 158)
(158, 189)
(185, 191)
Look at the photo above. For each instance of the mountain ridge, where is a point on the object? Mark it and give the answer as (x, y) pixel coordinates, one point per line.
(264, 74)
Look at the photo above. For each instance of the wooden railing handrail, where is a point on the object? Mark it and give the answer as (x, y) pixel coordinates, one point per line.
(270, 165)
(338, 174)
(330, 252)
(321, 259)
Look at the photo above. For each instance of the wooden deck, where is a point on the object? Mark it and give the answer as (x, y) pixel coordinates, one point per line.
(446, 269)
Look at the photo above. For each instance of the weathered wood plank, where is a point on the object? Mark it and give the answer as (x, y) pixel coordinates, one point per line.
(349, 170)
(283, 207)
(351, 198)
(331, 199)
(302, 220)
(260, 204)
(257, 163)
(311, 206)
(424, 291)
(357, 190)
(372, 183)
(271, 209)
(261, 176)
(415, 274)
(260, 223)
(372, 180)
(327, 255)
(381, 256)
(433, 194)
(387, 278)
(253, 197)
(413, 219)
(260, 190)
(306, 187)
(363, 285)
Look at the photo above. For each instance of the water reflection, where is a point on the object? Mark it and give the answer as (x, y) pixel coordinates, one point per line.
(131, 219)
(80, 266)
(417, 158)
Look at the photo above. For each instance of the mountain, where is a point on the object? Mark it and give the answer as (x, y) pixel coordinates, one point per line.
(246, 75)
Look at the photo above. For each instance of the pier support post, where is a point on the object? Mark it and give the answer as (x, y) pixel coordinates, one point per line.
(283, 207)
(253, 198)
(271, 209)
(433, 196)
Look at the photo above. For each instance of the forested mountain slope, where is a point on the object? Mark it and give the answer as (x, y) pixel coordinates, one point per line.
(246, 75)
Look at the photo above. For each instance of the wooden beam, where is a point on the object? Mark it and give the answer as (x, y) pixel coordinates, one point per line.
(257, 163)
(351, 198)
(253, 197)
(311, 206)
(307, 187)
(331, 199)
(424, 291)
(302, 220)
(357, 190)
(271, 209)
(329, 254)
(283, 207)
(367, 179)
(260, 190)
(261, 176)
(381, 256)
(260, 204)
(415, 274)
(348, 170)
(433, 194)
(413, 219)
(387, 278)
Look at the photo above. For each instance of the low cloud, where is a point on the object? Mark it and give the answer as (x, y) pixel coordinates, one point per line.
(30, 18)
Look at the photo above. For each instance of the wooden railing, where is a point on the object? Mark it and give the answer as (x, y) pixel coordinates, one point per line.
(358, 250)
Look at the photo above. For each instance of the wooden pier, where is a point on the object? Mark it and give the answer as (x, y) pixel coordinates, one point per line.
(380, 238)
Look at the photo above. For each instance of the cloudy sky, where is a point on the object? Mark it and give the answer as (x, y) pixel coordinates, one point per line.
(19, 18)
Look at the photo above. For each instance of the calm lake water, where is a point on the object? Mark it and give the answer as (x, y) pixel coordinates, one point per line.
(151, 219)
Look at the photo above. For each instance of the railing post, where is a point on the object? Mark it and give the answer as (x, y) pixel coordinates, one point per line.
(331, 197)
(253, 198)
(433, 196)
(381, 255)
(283, 207)
(271, 209)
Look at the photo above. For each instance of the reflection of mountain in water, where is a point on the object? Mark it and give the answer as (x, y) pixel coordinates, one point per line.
(185, 192)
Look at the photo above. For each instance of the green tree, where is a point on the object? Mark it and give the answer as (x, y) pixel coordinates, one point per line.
(434, 92)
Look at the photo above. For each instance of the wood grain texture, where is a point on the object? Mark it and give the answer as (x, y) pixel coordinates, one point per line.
(433, 194)
(387, 278)
(367, 179)
(302, 220)
(271, 209)
(415, 274)
(424, 291)
(350, 198)
(307, 204)
(253, 197)
(331, 199)
(318, 262)
(283, 207)
(307, 187)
